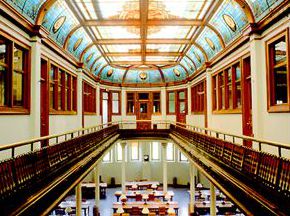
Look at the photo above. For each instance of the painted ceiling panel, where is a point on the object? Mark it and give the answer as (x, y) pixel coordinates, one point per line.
(111, 74)
(209, 41)
(229, 20)
(59, 21)
(99, 65)
(90, 55)
(196, 56)
(261, 8)
(27, 8)
(78, 42)
(188, 64)
(143, 76)
(173, 74)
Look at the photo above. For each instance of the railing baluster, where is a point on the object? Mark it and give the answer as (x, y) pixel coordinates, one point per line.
(279, 151)
(31, 147)
(13, 152)
(260, 146)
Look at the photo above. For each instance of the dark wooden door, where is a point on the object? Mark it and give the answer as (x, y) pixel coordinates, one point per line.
(143, 111)
(44, 101)
(247, 100)
(181, 108)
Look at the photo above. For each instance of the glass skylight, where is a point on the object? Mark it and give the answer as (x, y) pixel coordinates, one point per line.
(87, 8)
(168, 31)
(160, 58)
(119, 32)
(124, 48)
(127, 58)
(164, 47)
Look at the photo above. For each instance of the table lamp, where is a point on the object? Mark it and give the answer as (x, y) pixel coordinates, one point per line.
(120, 210)
(199, 185)
(145, 210)
(170, 210)
(123, 198)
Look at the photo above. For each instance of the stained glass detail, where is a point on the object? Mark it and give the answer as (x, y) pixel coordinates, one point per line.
(170, 76)
(229, 20)
(196, 56)
(59, 21)
(91, 54)
(78, 42)
(111, 74)
(209, 41)
(28, 8)
(134, 76)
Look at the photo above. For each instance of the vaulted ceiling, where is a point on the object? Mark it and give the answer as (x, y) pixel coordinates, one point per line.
(144, 41)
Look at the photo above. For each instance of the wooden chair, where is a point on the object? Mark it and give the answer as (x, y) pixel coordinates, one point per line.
(138, 197)
(151, 197)
(135, 211)
(162, 210)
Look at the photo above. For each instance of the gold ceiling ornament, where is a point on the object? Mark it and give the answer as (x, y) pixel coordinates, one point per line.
(143, 75)
(210, 43)
(197, 57)
(110, 72)
(89, 57)
(131, 11)
(230, 22)
(177, 72)
(77, 44)
(58, 24)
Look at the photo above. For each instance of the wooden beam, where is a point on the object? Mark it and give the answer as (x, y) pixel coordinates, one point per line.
(42, 11)
(141, 63)
(116, 54)
(136, 22)
(139, 41)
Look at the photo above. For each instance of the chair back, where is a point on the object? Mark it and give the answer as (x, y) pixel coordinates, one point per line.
(151, 197)
(138, 197)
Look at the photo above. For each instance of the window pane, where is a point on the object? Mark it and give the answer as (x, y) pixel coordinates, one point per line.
(107, 157)
(115, 96)
(51, 87)
(105, 95)
(134, 151)
(171, 106)
(182, 107)
(181, 95)
(2, 86)
(280, 84)
(172, 96)
(119, 152)
(155, 150)
(182, 157)
(17, 89)
(170, 152)
(238, 87)
(280, 51)
(115, 106)
(3, 49)
(156, 106)
(18, 59)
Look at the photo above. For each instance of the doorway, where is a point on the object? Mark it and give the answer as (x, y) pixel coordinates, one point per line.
(143, 111)
(181, 106)
(105, 107)
(247, 101)
(44, 102)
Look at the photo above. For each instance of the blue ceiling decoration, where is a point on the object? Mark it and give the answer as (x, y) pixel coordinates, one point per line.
(99, 65)
(27, 8)
(229, 20)
(261, 8)
(78, 42)
(90, 55)
(143, 76)
(59, 21)
(196, 56)
(170, 74)
(187, 63)
(112, 74)
(210, 42)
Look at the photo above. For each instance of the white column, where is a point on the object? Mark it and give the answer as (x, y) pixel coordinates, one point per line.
(123, 145)
(98, 96)
(97, 185)
(80, 96)
(192, 188)
(79, 200)
(189, 99)
(209, 96)
(164, 161)
(257, 49)
(35, 86)
(212, 200)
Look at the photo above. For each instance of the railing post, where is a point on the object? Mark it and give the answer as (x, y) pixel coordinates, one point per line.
(279, 151)
(13, 152)
(260, 146)
(31, 147)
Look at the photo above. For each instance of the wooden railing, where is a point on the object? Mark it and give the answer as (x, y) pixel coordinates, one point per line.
(268, 169)
(27, 172)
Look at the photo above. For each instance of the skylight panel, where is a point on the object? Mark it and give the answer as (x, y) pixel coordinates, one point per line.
(160, 58)
(168, 32)
(205, 9)
(83, 10)
(127, 58)
(121, 32)
(163, 47)
(124, 48)
(119, 9)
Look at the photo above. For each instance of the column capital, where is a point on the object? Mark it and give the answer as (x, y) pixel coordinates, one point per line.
(123, 144)
(164, 144)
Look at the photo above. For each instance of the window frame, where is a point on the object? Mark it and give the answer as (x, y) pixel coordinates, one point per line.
(9, 107)
(119, 102)
(134, 103)
(167, 102)
(220, 91)
(153, 100)
(89, 99)
(173, 152)
(110, 157)
(68, 92)
(151, 152)
(116, 152)
(198, 100)
(179, 158)
(271, 107)
(138, 151)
